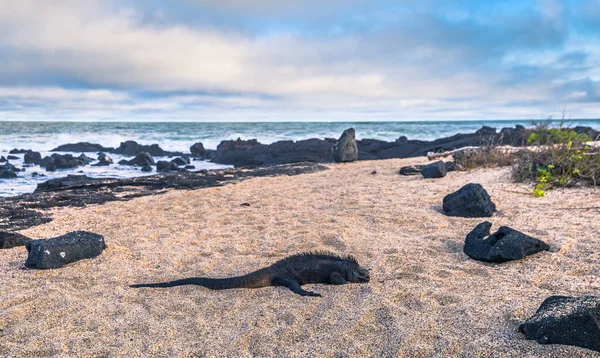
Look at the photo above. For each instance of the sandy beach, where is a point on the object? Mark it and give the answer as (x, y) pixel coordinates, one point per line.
(426, 298)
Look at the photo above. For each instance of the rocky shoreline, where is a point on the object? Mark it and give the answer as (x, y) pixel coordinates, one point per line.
(279, 158)
(28, 210)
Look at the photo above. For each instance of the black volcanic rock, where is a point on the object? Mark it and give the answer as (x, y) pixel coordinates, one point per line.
(146, 168)
(8, 171)
(19, 151)
(434, 170)
(69, 181)
(82, 147)
(416, 169)
(12, 157)
(85, 159)
(164, 166)
(3, 159)
(411, 170)
(198, 150)
(32, 157)
(181, 161)
(58, 161)
(56, 252)
(470, 201)
(132, 148)
(369, 149)
(345, 150)
(589, 131)
(12, 239)
(572, 321)
(140, 160)
(103, 160)
(251, 153)
(506, 244)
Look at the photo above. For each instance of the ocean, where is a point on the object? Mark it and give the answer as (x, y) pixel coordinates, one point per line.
(173, 136)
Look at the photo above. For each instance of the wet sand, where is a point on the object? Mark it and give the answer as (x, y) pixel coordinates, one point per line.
(426, 297)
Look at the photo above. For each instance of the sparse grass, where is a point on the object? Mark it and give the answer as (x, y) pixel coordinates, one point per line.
(559, 165)
(543, 134)
(487, 157)
(558, 157)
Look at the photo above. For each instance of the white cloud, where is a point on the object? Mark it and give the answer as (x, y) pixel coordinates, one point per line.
(391, 73)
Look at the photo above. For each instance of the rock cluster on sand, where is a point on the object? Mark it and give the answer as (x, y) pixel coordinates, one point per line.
(470, 201)
(506, 244)
(12, 239)
(573, 321)
(58, 251)
(345, 150)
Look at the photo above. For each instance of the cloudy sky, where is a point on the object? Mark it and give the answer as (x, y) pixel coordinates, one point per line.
(274, 60)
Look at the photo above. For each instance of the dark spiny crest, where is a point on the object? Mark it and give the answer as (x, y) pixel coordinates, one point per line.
(325, 254)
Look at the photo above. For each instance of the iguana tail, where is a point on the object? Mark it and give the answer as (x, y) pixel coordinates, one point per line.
(253, 280)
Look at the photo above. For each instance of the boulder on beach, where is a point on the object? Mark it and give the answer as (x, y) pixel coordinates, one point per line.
(56, 252)
(146, 168)
(198, 150)
(572, 321)
(470, 201)
(12, 239)
(3, 159)
(12, 157)
(82, 147)
(103, 160)
(434, 170)
(164, 166)
(345, 150)
(32, 157)
(506, 244)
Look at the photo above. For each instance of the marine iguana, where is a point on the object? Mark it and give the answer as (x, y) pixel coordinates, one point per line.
(291, 272)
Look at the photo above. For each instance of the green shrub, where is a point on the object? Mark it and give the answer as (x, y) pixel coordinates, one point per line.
(560, 165)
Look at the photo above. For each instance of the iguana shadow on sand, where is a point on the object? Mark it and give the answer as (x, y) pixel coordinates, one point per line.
(291, 272)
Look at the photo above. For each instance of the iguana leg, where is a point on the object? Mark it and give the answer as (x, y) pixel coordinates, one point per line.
(337, 279)
(293, 285)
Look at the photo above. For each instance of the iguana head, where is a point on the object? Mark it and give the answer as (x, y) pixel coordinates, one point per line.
(357, 274)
